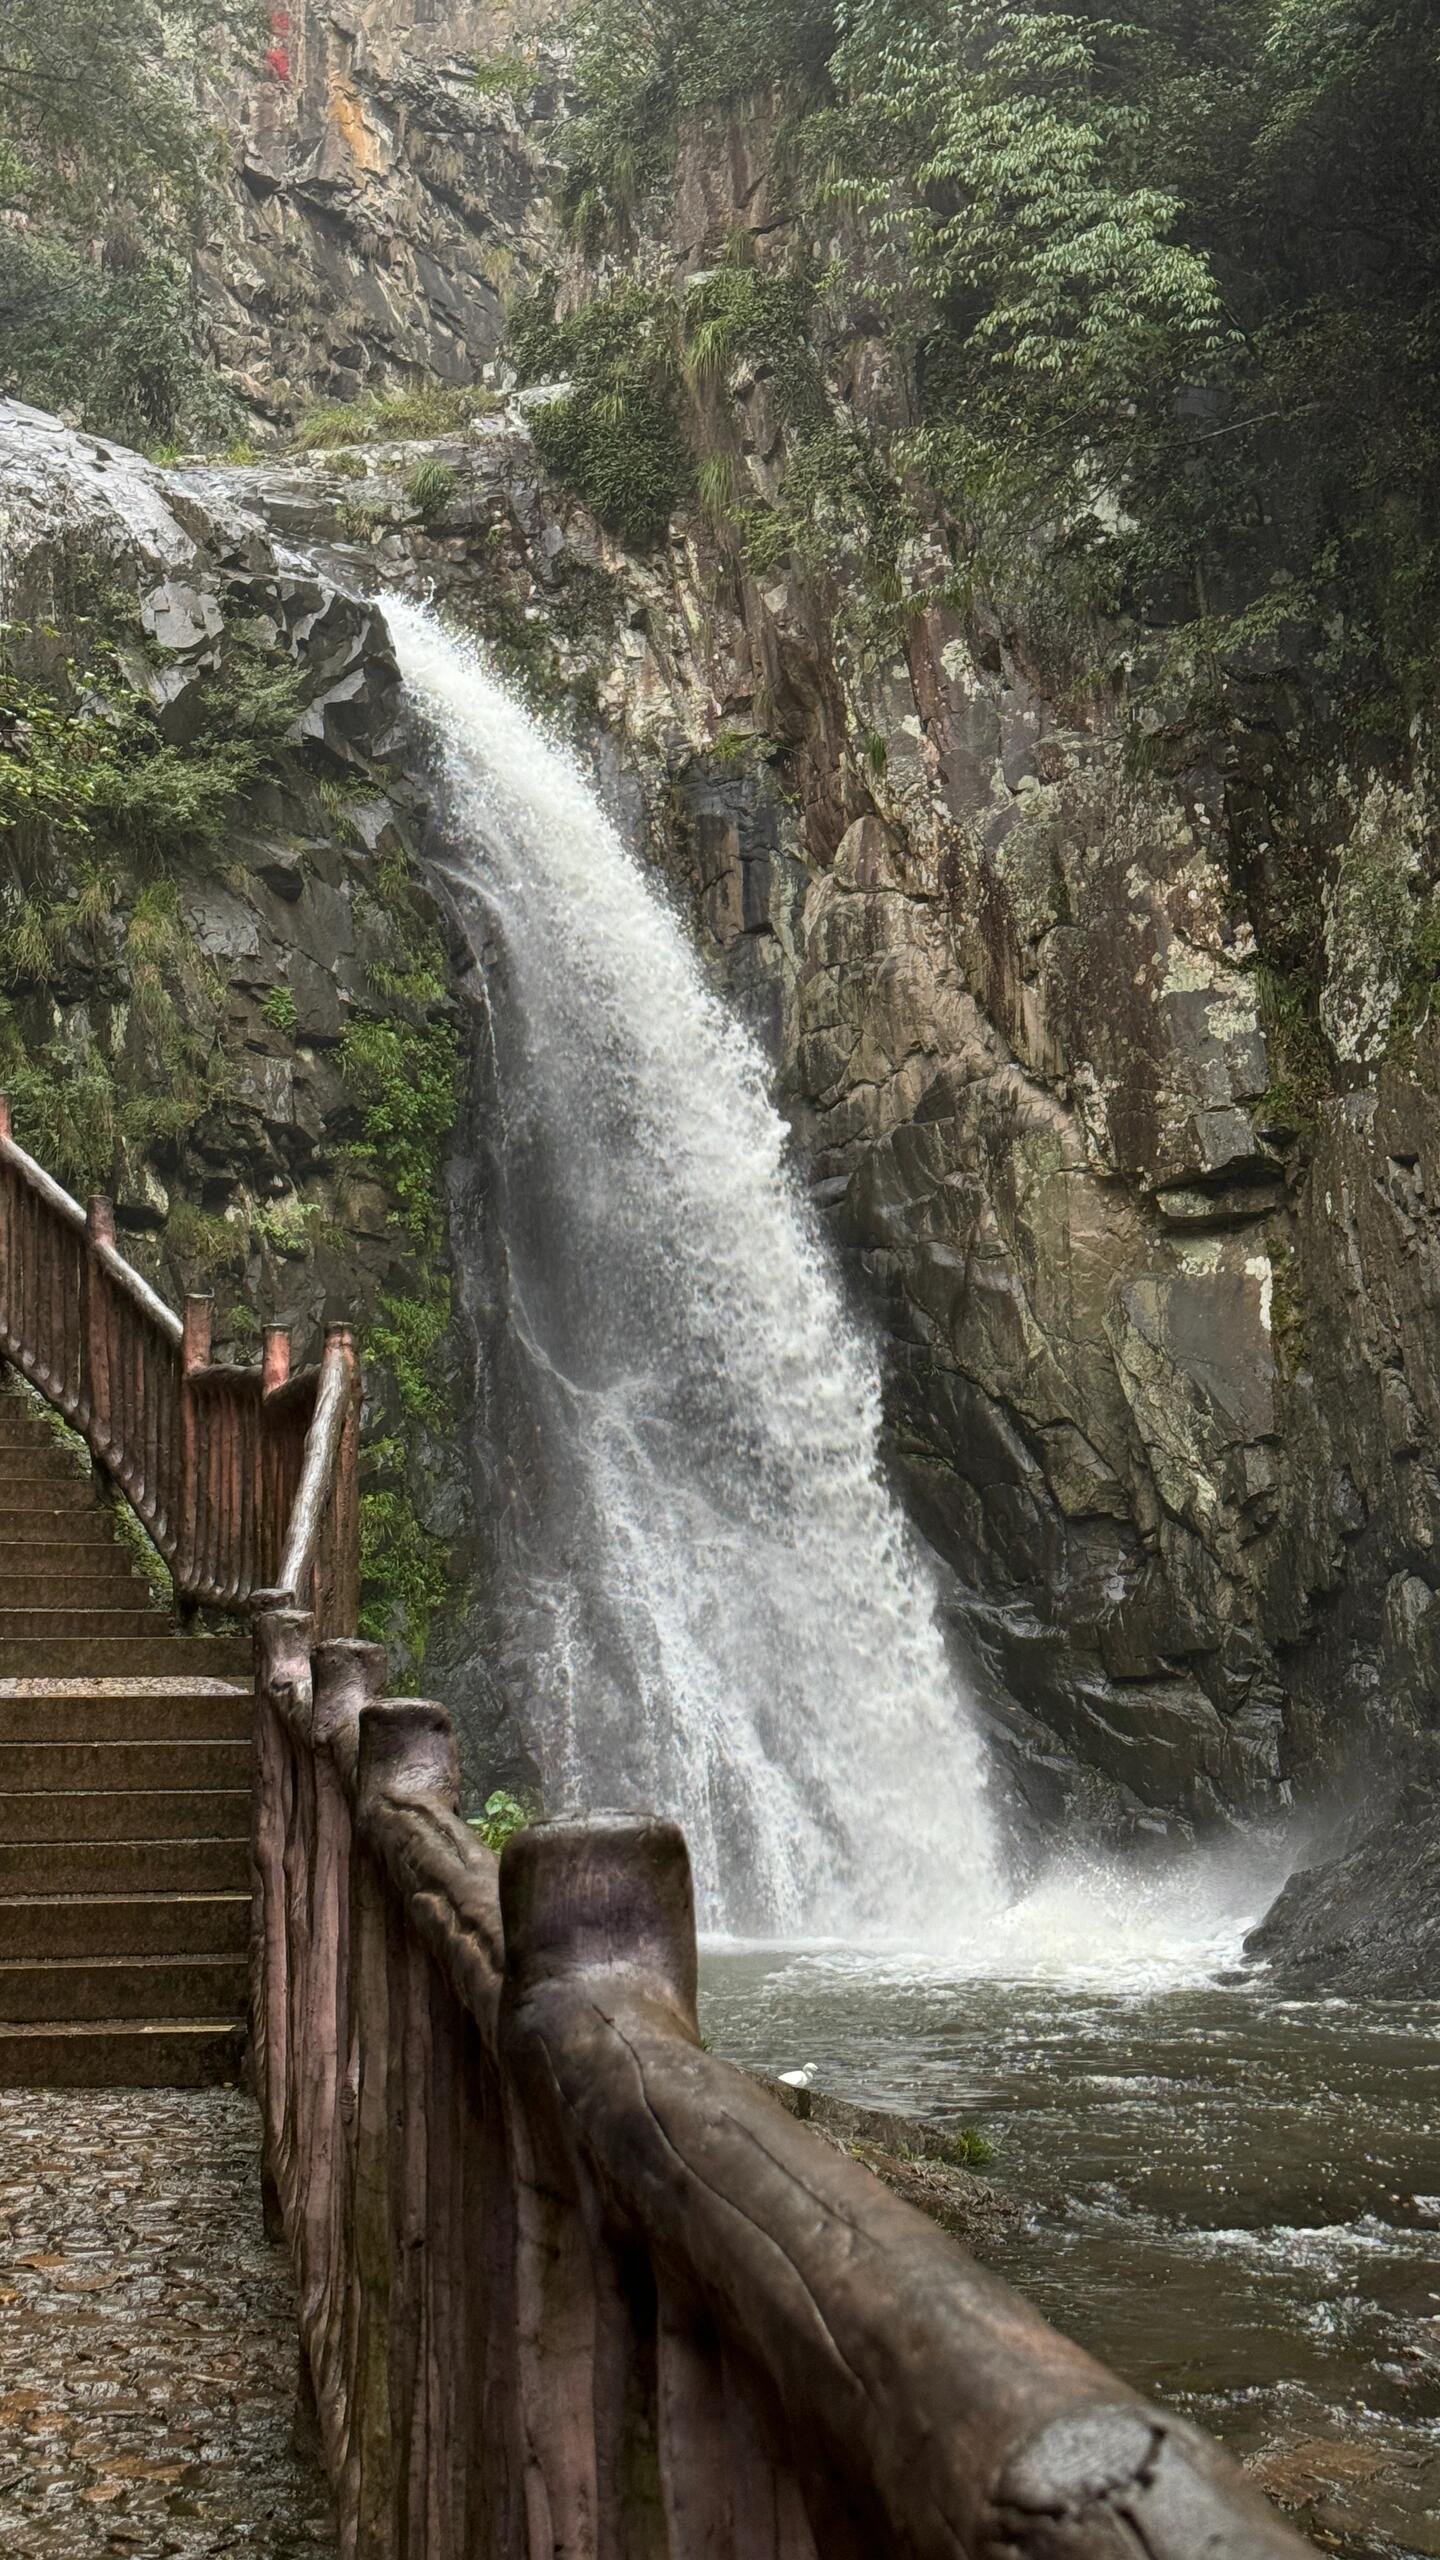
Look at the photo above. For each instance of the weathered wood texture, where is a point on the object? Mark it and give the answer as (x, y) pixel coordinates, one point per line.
(571, 2286)
(245, 1478)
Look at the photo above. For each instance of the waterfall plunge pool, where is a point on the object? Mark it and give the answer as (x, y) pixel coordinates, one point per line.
(1233, 2198)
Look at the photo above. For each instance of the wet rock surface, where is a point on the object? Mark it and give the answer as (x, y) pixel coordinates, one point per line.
(147, 2335)
(919, 2162)
(185, 1031)
(1365, 1921)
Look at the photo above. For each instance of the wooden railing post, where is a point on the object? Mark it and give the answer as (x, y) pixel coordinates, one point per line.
(583, 1897)
(274, 1358)
(343, 1596)
(99, 1229)
(194, 1355)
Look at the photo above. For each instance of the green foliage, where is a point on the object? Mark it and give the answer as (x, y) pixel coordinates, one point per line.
(431, 487)
(1169, 281)
(396, 417)
(66, 1114)
(292, 1227)
(969, 2148)
(503, 1816)
(1420, 978)
(84, 758)
(639, 69)
(201, 1243)
(102, 153)
(50, 754)
(112, 341)
(281, 1011)
(362, 520)
(738, 314)
(405, 1573)
(401, 1077)
(615, 437)
(404, 1339)
(502, 75)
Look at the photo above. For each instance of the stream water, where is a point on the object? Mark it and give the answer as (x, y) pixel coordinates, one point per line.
(722, 1616)
(1233, 2199)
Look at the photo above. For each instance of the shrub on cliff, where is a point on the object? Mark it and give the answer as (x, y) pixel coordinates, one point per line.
(615, 436)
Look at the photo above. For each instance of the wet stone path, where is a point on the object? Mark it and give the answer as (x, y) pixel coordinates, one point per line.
(147, 2340)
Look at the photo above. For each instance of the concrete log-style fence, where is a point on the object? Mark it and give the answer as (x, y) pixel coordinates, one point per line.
(569, 2284)
(245, 1477)
(569, 2288)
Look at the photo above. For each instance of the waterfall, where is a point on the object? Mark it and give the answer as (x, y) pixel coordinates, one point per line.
(722, 1612)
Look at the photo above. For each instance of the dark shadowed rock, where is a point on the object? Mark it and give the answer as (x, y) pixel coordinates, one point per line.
(1368, 1920)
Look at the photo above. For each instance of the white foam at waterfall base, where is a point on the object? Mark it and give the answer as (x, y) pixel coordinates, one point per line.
(723, 1613)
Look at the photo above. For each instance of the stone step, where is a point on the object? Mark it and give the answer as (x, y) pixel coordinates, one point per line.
(81, 1624)
(45, 1767)
(168, 1813)
(149, 2053)
(29, 1444)
(98, 1578)
(68, 1557)
(113, 1989)
(154, 1657)
(153, 1865)
(45, 1526)
(41, 1927)
(29, 1489)
(90, 1716)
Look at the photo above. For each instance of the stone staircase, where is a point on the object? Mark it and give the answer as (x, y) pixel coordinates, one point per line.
(124, 1797)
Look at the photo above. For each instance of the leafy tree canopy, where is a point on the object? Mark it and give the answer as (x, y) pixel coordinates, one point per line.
(102, 156)
(1168, 272)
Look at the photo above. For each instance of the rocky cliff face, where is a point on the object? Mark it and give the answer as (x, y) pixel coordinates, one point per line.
(225, 985)
(1160, 1382)
(1157, 1371)
(380, 205)
(1160, 1387)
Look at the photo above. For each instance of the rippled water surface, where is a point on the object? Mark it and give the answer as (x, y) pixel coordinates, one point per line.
(1232, 2198)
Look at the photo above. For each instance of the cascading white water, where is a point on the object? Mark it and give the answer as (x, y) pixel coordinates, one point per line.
(725, 1617)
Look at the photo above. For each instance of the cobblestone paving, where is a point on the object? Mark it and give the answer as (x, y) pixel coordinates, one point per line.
(147, 2342)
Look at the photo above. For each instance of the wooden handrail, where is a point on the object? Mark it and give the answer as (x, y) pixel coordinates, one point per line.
(244, 1477)
(569, 2283)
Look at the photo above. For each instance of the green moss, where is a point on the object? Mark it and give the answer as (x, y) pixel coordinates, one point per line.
(145, 1557)
(1303, 1073)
